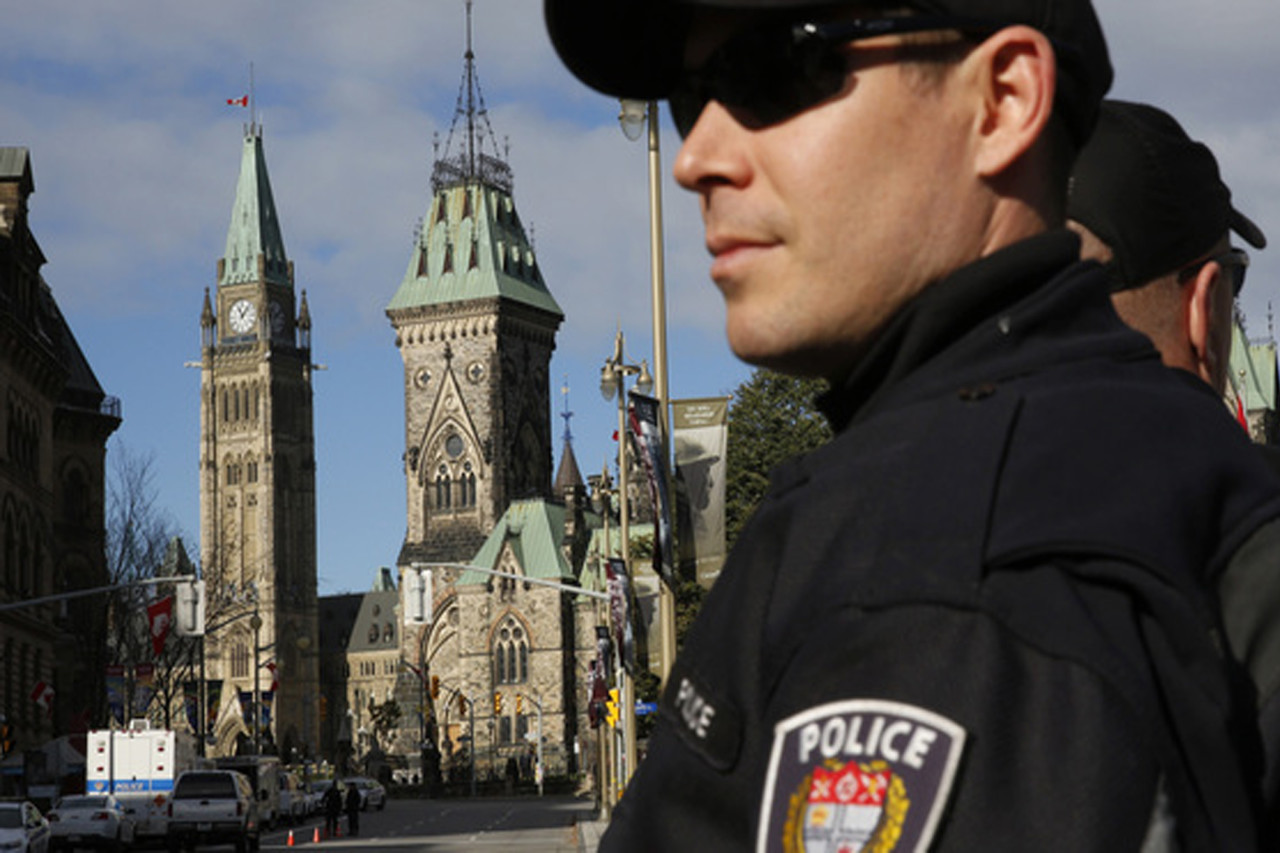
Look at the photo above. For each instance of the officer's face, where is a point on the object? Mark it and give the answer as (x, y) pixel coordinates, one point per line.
(823, 224)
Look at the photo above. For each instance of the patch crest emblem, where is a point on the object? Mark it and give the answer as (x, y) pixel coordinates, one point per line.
(858, 776)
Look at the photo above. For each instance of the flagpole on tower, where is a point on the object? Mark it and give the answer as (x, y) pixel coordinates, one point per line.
(253, 105)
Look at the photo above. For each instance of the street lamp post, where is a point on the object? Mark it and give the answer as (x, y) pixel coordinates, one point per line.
(634, 115)
(255, 622)
(613, 383)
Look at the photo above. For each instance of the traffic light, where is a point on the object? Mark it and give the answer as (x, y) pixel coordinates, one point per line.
(519, 703)
(324, 708)
(497, 703)
(435, 687)
(611, 707)
(6, 739)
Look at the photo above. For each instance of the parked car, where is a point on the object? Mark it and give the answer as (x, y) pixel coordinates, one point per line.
(312, 797)
(213, 807)
(372, 794)
(22, 828)
(90, 820)
(294, 806)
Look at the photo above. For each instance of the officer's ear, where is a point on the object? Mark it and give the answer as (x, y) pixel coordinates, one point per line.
(1013, 75)
(1207, 307)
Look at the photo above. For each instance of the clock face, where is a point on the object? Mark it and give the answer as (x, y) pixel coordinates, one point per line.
(243, 316)
(277, 318)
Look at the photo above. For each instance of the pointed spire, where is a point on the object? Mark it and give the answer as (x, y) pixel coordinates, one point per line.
(208, 323)
(304, 323)
(471, 117)
(255, 246)
(568, 476)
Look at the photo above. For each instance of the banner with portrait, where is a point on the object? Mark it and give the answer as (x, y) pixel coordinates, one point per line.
(700, 434)
(646, 435)
(620, 611)
(191, 704)
(116, 691)
(213, 703)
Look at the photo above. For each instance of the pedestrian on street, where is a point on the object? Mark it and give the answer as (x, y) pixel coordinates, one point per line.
(353, 810)
(332, 809)
(981, 617)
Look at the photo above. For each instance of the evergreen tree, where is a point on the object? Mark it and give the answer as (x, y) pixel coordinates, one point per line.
(772, 419)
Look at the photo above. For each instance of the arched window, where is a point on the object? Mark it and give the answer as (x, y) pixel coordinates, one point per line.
(443, 485)
(10, 555)
(468, 483)
(75, 497)
(510, 653)
(240, 660)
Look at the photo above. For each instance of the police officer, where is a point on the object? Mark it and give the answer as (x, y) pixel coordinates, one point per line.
(978, 619)
(1150, 203)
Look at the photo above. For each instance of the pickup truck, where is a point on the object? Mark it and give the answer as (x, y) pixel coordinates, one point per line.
(213, 807)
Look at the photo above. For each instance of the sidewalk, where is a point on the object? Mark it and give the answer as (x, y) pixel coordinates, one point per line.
(589, 832)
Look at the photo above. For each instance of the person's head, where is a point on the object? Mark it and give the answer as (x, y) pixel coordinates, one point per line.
(848, 155)
(1149, 203)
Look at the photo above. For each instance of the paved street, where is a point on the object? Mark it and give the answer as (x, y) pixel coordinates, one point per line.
(547, 825)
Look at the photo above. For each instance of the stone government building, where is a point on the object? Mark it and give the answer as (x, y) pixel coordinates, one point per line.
(54, 426)
(475, 324)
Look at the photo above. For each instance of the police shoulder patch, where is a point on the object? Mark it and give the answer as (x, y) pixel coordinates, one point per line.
(858, 776)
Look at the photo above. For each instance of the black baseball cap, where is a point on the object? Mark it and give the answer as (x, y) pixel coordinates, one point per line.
(635, 48)
(1152, 194)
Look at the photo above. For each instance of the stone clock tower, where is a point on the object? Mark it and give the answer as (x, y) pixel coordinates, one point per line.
(475, 325)
(257, 483)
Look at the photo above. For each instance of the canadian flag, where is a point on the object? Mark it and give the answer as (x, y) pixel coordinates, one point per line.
(42, 695)
(242, 101)
(160, 616)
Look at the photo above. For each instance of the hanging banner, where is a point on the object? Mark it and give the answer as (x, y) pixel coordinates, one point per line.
(191, 704)
(246, 708)
(700, 433)
(264, 708)
(620, 612)
(115, 691)
(213, 698)
(159, 618)
(143, 688)
(275, 676)
(597, 693)
(646, 434)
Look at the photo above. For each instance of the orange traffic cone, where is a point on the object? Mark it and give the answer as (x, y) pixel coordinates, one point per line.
(315, 836)
(289, 843)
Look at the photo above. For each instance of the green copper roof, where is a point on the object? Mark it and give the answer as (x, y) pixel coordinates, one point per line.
(535, 531)
(1253, 371)
(472, 246)
(255, 228)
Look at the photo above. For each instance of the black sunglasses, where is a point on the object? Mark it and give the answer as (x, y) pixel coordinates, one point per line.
(769, 73)
(1234, 261)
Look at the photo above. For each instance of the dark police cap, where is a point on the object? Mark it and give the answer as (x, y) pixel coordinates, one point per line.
(1152, 194)
(634, 48)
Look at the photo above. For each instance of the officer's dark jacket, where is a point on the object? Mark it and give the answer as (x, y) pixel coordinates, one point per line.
(1011, 536)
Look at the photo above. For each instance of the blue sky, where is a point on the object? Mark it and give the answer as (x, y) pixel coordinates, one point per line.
(136, 155)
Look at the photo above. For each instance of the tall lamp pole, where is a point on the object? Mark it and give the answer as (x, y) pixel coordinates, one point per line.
(613, 383)
(633, 116)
